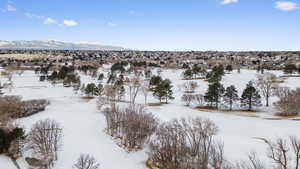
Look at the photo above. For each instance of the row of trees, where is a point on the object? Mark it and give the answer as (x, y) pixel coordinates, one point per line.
(216, 93)
(228, 97)
(197, 71)
(267, 85)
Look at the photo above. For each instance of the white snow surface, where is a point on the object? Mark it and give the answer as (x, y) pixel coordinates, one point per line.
(83, 125)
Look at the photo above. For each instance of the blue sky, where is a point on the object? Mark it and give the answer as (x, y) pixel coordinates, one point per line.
(157, 24)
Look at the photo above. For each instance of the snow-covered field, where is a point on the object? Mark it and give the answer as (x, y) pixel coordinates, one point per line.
(83, 125)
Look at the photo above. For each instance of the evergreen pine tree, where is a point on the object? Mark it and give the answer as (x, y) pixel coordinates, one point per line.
(196, 70)
(229, 68)
(1, 87)
(250, 97)
(214, 93)
(111, 78)
(188, 73)
(289, 68)
(163, 91)
(230, 96)
(119, 86)
(100, 89)
(154, 81)
(216, 74)
(101, 77)
(91, 90)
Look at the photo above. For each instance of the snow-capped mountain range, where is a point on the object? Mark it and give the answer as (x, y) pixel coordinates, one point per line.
(53, 44)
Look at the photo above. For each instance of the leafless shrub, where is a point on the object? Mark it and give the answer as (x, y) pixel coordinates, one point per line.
(288, 105)
(9, 105)
(132, 125)
(8, 74)
(31, 107)
(217, 157)
(86, 162)
(253, 162)
(44, 140)
(110, 92)
(187, 144)
(13, 107)
(101, 102)
(187, 98)
(190, 87)
(282, 92)
(199, 99)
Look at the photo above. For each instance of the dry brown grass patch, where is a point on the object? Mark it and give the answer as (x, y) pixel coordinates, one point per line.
(287, 76)
(247, 113)
(284, 115)
(155, 104)
(150, 165)
(87, 98)
(199, 78)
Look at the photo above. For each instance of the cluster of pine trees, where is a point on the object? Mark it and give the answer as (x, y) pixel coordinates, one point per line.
(162, 88)
(291, 68)
(217, 94)
(194, 72)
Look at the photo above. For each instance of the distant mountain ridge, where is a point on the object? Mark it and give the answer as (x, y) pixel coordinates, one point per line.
(58, 45)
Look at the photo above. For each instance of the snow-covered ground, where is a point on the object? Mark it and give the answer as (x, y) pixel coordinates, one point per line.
(83, 125)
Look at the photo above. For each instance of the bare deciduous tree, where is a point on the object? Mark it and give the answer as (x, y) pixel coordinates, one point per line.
(187, 98)
(253, 162)
(110, 92)
(267, 83)
(86, 162)
(190, 87)
(284, 153)
(199, 98)
(134, 87)
(101, 102)
(145, 90)
(45, 140)
(282, 92)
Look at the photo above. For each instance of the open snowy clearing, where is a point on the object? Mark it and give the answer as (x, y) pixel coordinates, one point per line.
(83, 125)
